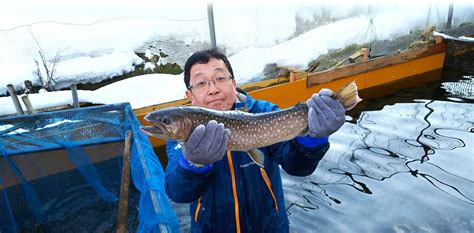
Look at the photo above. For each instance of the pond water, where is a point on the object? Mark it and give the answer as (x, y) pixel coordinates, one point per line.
(402, 162)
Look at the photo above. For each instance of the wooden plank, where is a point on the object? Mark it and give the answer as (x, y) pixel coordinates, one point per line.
(373, 64)
(123, 202)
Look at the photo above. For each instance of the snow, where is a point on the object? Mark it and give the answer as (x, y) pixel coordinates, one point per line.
(464, 38)
(96, 40)
(93, 68)
(140, 91)
(299, 51)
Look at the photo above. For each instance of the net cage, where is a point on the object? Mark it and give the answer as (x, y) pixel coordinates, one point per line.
(61, 172)
(458, 68)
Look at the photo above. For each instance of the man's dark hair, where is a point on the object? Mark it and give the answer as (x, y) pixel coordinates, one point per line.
(203, 57)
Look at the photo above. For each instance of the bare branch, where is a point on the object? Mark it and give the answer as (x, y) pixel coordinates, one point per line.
(45, 64)
(50, 68)
(38, 73)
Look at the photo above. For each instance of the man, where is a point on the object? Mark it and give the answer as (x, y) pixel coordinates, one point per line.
(228, 192)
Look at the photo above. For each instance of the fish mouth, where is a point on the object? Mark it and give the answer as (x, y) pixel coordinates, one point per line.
(156, 130)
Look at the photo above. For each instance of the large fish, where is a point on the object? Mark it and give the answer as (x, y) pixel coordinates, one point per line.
(248, 131)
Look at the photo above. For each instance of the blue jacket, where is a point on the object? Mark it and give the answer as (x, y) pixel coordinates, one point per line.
(236, 181)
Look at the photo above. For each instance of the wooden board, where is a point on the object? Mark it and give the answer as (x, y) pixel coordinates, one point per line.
(374, 64)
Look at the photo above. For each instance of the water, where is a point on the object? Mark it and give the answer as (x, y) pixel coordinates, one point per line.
(70, 205)
(403, 162)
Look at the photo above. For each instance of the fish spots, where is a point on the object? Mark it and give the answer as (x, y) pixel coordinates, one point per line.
(250, 130)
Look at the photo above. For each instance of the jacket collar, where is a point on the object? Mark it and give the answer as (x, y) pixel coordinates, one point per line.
(244, 102)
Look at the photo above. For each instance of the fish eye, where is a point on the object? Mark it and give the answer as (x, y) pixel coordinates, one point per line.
(165, 120)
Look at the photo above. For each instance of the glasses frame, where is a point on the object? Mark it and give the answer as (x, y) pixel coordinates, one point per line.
(208, 82)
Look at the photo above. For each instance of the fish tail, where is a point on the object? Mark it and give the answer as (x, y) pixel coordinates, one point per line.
(348, 96)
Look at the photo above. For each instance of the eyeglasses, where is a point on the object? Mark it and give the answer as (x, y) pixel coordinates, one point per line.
(203, 85)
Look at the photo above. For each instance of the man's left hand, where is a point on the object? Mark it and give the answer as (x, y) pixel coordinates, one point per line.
(325, 115)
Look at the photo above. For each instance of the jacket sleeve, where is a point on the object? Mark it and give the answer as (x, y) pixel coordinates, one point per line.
(183, 186)
(294, 156)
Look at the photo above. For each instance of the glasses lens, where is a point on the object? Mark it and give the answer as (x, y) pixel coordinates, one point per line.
(219, 81)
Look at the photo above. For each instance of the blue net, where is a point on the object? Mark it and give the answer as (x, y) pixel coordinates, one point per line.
(61, 171)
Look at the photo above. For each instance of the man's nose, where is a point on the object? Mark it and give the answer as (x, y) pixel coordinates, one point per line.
(213, 87)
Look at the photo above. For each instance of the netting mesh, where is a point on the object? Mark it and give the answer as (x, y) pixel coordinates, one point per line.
(459, 57)
(458, 68)
(61, 169)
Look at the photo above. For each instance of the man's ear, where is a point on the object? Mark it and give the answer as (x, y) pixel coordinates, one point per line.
(235, 86)
(189, 95)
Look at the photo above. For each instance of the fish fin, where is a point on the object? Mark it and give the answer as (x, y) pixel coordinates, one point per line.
(304, 132)
(257, 156)
(244, 109)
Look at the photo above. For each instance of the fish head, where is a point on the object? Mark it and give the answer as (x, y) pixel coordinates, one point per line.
(168, 124)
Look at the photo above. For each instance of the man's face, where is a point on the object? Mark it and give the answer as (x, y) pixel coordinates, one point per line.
(211, 86)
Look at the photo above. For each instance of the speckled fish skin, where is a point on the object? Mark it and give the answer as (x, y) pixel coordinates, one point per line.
(248, 130)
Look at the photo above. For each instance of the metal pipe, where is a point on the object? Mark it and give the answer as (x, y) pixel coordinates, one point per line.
(15, 100)
(75, 98)
(212, 31)
(29, 106)
(450, 16)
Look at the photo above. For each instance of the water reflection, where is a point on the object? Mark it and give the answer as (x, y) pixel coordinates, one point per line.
(463, 88)
(405, 168)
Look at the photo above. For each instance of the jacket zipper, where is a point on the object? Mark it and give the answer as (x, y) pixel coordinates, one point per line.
(196, 213)
(234, 191)
(269, 186)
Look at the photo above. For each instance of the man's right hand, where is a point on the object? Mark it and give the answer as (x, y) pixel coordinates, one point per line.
(206, 144)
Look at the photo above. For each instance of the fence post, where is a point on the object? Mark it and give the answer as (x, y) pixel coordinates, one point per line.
(75, 98)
